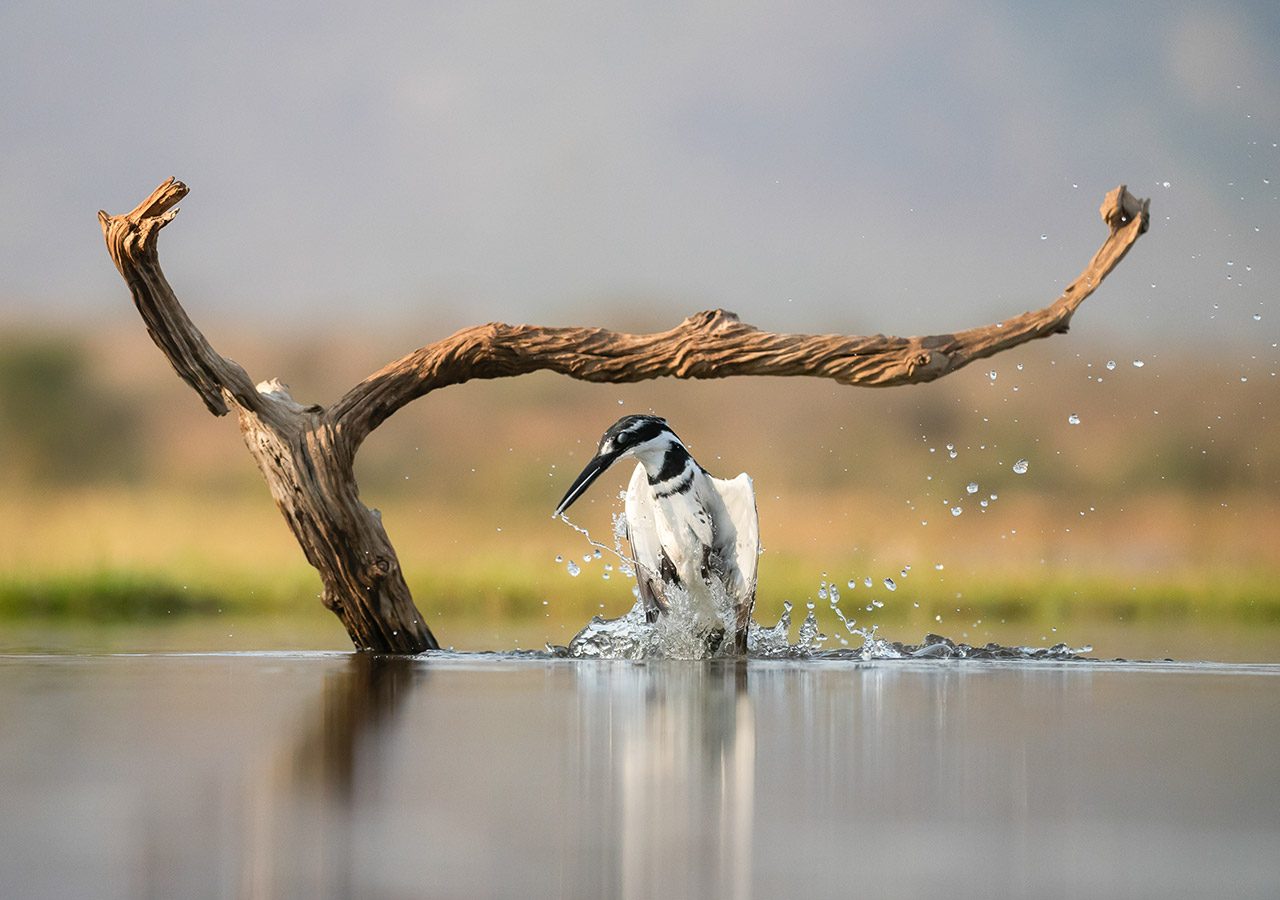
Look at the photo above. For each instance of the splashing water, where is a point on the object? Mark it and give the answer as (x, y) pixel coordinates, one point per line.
(685, 630)
(631, 637)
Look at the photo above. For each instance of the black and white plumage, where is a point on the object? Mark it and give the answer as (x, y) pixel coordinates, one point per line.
(687, 529)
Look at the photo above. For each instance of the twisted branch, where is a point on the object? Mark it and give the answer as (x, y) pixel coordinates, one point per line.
(131, 241)
(715, 344)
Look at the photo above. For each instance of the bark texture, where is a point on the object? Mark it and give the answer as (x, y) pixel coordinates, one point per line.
(306, 452)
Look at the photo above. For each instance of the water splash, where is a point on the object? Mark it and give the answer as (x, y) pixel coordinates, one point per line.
(669, 637)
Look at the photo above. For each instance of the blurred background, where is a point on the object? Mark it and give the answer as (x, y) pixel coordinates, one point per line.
(368, 180)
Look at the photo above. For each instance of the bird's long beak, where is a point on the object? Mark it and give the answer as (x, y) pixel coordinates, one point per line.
(597, 465)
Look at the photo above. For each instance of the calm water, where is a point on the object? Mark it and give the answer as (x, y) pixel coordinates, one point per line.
(336, 775)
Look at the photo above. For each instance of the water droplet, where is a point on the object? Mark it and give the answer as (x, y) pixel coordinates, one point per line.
(889, 585)
(559, 558)
(1257, 317)
(1044, 237)
(992, 375)
(1164, 184)
(955, 510)
(1073, 419)
(1138, 364)
(939, 566)
(878, 604)
(851, 584)
(1020, 467)
(1020, 367)
(1111, 365)
(573, 569)
(972, 487)
(866, 582)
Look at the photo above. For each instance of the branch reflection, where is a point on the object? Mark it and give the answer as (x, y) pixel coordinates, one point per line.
(301, 807)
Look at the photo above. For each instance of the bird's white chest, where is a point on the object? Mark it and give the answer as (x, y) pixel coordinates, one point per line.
(693, 527)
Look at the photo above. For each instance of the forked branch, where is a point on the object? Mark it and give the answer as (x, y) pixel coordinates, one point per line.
(306, 453)
(715, 344)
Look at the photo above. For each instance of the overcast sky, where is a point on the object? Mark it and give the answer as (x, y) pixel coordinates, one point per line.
(902, 168)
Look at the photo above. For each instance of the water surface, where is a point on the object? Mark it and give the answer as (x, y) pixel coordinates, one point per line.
(339, 775)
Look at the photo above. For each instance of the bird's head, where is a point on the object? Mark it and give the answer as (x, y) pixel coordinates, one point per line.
(646, 438)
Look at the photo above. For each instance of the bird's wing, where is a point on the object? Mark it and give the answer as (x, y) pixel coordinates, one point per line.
(739, 498)
(652, 566)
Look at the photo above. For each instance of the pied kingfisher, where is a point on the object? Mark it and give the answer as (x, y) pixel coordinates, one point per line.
(686, 528)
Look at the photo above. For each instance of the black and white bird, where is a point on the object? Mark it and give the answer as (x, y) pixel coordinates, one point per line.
(687, 530)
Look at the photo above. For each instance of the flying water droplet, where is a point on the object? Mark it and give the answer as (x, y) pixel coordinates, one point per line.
(955, 510)
(1257, 317)
(573, 569)
(1138, 364)
(1111, 365)
(851, 584)
(972, 487)
(992, 375)
(1073, 419)
(559, 558)
(866, 582)
(889, 585)
(1044, 237)
(1020, 467)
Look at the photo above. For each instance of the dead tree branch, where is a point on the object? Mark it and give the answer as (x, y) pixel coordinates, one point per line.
(715, 344)
(306, 452)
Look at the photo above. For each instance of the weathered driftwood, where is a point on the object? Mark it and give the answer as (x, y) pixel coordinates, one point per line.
(306, 453)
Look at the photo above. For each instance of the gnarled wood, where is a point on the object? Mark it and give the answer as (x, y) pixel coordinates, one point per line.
(306, 466)
(715, 344)
(306, 453)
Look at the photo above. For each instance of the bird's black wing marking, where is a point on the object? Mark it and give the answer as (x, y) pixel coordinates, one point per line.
(652, 584)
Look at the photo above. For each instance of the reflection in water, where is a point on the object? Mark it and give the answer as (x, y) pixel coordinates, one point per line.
(682, 741)
(299, 836)
(469, 776)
